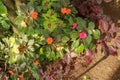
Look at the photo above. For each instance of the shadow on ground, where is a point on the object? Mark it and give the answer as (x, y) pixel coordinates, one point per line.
(116, 75)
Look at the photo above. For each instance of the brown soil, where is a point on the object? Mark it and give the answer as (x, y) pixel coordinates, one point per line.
(108, 69)
(112, 9)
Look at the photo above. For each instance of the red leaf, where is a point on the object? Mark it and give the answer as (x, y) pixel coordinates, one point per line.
(88, 56)
(99, 1)
(112, 50)
(107, 1)
(103, 25)
(88, 59)
(96, 9)
(113, 29)
(88, 53)
(118, 42)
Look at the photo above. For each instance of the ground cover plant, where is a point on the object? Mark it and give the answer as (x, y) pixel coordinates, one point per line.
(46, 32)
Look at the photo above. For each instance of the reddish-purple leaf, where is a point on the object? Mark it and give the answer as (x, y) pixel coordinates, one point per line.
(103, 25)
(95, 9)
(118, 42)
(99, 1)
(88, 56)
(88, 53)
(105, 48)
(112, 29)
(107, 1)
(88, 59)
(112, 50)
(3, 78)
(67, 58)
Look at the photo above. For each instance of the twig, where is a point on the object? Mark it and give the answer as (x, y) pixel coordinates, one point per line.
(103, 58)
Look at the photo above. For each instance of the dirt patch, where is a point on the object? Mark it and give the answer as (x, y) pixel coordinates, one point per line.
(112, 9)
(108, 69)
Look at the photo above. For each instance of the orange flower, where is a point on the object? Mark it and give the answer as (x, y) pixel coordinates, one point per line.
(49, 40)
(34, 15)
(36, 62)
(11, 72)
(63, 10)
(68, 11)
(20, 75)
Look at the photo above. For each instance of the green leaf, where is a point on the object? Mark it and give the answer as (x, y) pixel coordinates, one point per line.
(41, 51)
(36, 75)
(49, 25)
(30, 31)
(92, 46)
(71, 20)
(5, 24)
(3, 9)
(75, 44)
(18, 20)
(65, 39)
(23, 8)
(13, 59)
(56, 6)
(27, 74)
(52, 56)
(96, 34)
(65, 2)
(34, 68)
(31, 42)
(81, 24)
(44, 6)
(91, 25)
(38, 31)
(87, 41)
(80, 49)
(59, 54)
(74, 11)
(74, 35)
(67, 30)
(90, 32)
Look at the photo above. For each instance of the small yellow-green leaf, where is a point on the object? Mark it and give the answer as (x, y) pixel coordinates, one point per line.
(96, 34)
(41, 51)
(80, 49)
(3, 9)
(75, 44)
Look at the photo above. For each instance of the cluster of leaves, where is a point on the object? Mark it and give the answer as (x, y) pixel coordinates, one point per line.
(92, 10)
(4, 21)
(46, 30)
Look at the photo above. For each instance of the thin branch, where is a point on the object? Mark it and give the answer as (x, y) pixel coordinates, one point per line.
(103, 58)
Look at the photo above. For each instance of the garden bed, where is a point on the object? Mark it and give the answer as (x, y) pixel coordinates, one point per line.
(55, 40)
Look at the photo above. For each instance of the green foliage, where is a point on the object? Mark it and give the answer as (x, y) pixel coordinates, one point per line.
(80, 48)
(96, 34)
(4, 21)
(75, 44)
(3, 9)
(88, 41)
(44, 36)
(91, 25)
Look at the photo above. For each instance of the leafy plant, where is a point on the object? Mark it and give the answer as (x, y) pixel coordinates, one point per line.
(4, 21)
(107, 28)
(48, 30)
